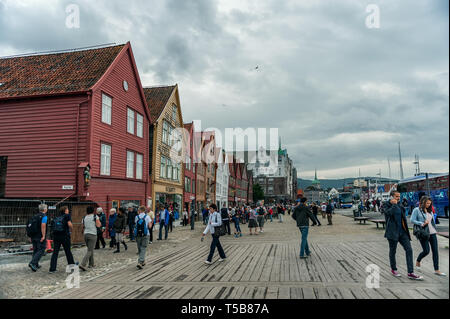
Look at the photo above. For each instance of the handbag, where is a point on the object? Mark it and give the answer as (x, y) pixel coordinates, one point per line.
(219, 230)
(421, 233)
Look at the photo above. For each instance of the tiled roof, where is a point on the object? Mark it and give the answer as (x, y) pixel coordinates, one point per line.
(157, 98)
(57, 73)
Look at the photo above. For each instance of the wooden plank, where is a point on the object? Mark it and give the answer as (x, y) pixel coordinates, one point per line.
(296, 293)
(234, 263)
(308, 293)
(261, 264)
(321, 293)
(275, 273)
(265, 275)
(272, 292)
(346, 293)
(260, 292)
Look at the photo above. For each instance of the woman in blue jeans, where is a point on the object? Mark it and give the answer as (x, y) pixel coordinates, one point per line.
(423, 216)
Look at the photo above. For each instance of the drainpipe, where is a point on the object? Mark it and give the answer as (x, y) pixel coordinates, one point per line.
(76, 142)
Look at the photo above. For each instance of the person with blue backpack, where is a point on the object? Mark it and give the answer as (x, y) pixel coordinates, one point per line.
(61, 227)
(143, 223)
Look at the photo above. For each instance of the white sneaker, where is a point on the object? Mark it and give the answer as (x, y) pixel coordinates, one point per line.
(419, 269)
(220, 259)
(440, 274)
(208, 262)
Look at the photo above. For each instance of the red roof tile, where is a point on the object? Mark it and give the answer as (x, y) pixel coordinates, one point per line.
(157, 98)
(57, 73)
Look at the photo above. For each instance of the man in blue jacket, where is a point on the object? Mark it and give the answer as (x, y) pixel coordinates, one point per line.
(397, 232)
(112, 233)
(163, 222)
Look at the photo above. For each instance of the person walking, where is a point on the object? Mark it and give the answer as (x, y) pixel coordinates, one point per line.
(131, 215)
(151, 214)
(329, 210)
(301, 215)
(271, 214)
(280, 212)
(237, 228)
(102, 229)
(112, 233)
(171, 218)
(215, 220)
(38, 236)
(193, 213)
(185, 217)
(261, 213)
(397, 232)
(423, 217)
(90, 224)
(225, 219)
(163, 222)
(142, 223)
(315, 211)
(119, 229)
(61, 229)
(252, 223)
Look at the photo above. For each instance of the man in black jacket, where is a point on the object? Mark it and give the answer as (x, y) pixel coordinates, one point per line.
(302, 214)
(132, 213)
(397, 232)
(329, 213)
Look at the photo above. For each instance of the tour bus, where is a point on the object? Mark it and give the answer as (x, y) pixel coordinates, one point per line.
(346, 199)
(413, 187)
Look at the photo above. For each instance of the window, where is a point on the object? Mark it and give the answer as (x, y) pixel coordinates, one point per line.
(139, 165)
(130, 164)
(130, 121)
(175, 172)
(165, 135)
(139, 125)
(193, 186)
(105, 165)
(106, 109)
(174, 113)
(169, 169)
(162, 172)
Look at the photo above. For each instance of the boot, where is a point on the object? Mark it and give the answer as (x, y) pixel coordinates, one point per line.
(118, 248)
(126, 247)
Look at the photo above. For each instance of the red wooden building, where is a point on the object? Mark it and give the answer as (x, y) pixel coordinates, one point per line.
(64, 114)
(189, 169)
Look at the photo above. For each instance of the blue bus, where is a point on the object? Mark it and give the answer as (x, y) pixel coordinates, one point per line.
(346, 200)
(411, 188)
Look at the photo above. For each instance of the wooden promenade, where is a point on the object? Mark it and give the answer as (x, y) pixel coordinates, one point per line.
(268, 266)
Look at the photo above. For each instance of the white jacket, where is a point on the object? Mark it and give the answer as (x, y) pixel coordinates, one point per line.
(214, 220)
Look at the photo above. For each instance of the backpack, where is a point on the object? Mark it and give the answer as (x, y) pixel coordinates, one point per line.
(58, 225)
(34, 225)
(140, 227)
(260, 211)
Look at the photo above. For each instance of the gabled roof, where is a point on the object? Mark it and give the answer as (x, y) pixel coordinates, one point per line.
(157, 98)
(188, 126)
(52, 74)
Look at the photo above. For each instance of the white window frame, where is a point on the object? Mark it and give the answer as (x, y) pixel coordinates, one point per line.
(106, 109)
(162, 172)
(165, 133)
(130, 120)
(169, 169)
(139, 165)
(105, 159)
(139, 125)
(130, 164)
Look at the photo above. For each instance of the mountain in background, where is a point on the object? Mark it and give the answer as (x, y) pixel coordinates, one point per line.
(331, 183)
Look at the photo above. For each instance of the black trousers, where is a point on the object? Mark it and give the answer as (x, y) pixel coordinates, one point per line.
(316, 220)
(170, 225)
(59, 241)
(432, 241)
(151, 232)
(100, 239)
(216, 243)
(131, 229)
(38, 250)
(226, 223)
(406, 244)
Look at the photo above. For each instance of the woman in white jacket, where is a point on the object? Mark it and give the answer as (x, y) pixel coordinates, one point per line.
(423, 216)
(214, 220)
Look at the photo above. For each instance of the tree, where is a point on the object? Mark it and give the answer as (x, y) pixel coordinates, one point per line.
(258, 192)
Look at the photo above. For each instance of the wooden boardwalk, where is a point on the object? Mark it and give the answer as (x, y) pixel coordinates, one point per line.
(268, 266)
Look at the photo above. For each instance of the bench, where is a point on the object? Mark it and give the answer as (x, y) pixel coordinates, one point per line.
(361, 219)
(445, 234)
(379, 221)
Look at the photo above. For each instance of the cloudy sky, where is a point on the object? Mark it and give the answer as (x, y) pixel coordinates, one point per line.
(341, 94)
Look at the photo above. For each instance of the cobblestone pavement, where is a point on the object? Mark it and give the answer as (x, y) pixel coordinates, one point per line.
(263, 266)
(18, 281)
